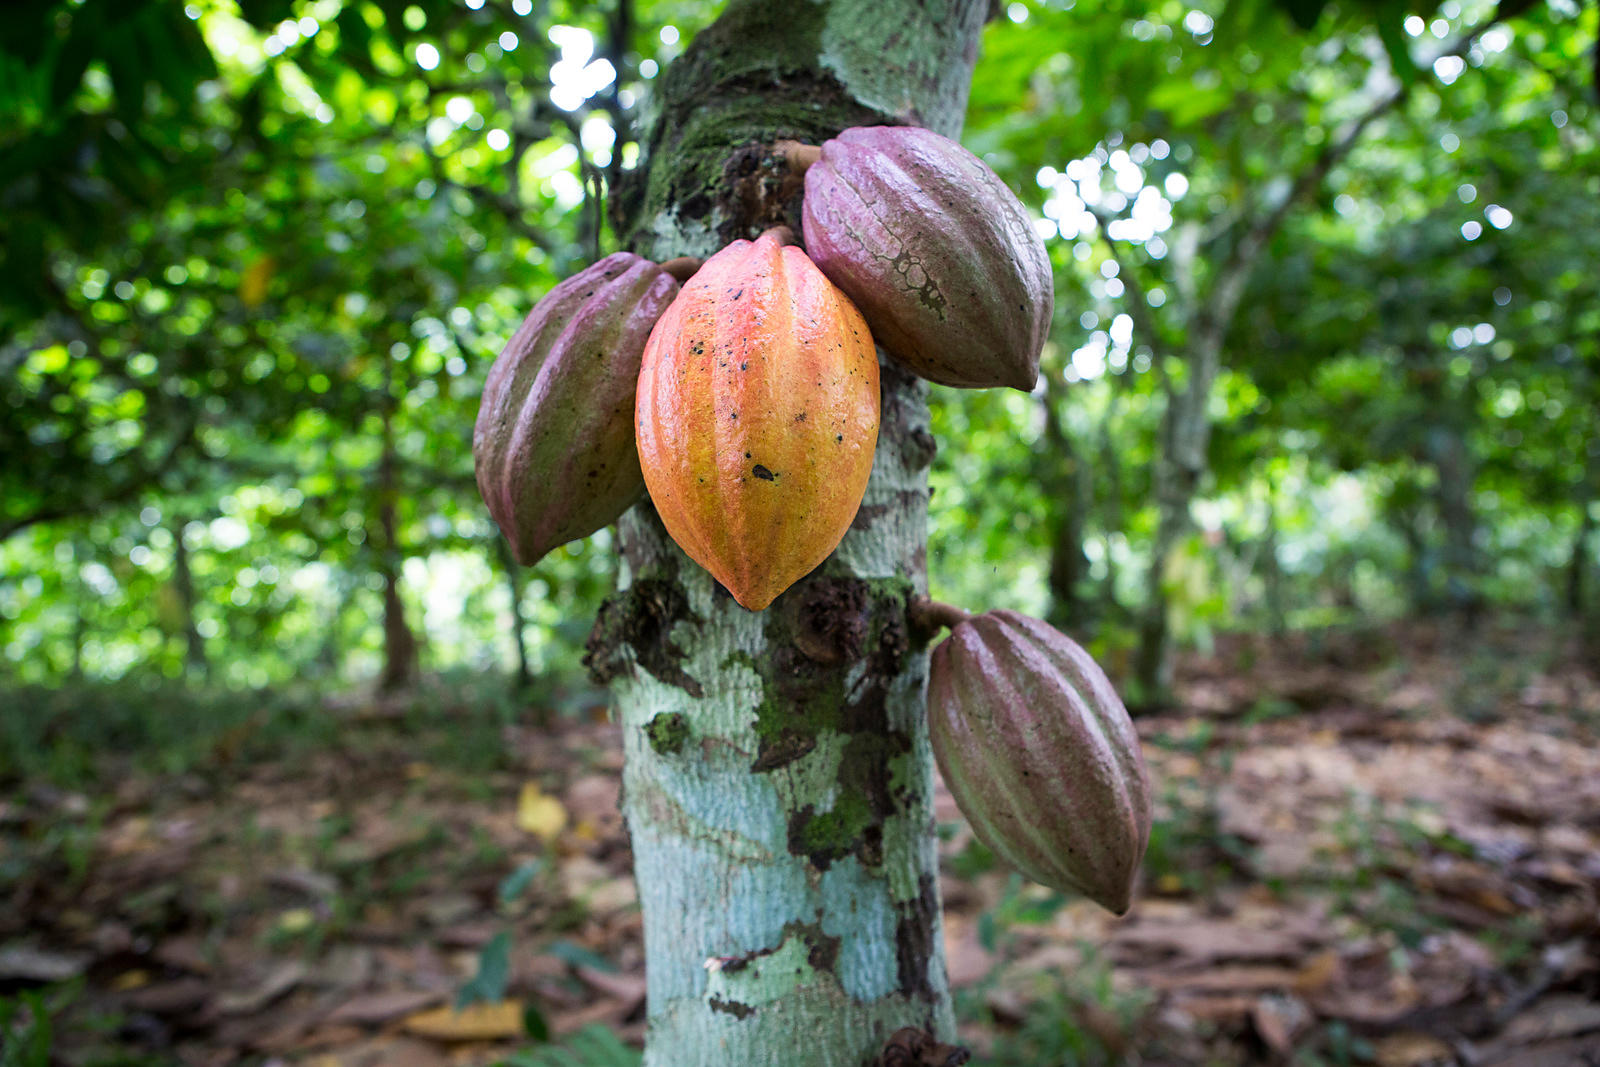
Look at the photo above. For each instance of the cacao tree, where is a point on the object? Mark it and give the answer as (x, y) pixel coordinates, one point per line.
(778, 779)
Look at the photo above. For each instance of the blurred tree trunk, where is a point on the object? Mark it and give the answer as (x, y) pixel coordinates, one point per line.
(1111, 464)
(778, 782)
(514, 588)
(1185, 431)
(1071, 485)
(400, 653)
(1578, 561)
(194, 651)
(80, 603)
(1271, 569)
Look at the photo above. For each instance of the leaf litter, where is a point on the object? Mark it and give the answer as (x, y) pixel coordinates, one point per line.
(1363, 849)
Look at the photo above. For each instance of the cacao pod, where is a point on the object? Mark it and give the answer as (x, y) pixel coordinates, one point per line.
(553, 444)
(1040, 755)
(758, 417)
(938, 253)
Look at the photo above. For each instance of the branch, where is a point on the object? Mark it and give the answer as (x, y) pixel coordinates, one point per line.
(1215, 314)
(1138, 302)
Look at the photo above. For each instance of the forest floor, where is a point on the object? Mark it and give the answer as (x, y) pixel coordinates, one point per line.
(1372, 847)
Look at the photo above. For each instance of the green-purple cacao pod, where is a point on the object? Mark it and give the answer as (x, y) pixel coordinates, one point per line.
(940, 256)
(553, 445)
(1040, 755)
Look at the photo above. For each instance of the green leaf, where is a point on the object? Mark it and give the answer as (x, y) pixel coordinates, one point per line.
(517, 882)
(578, 956)
(593, 1046)
(494, 970)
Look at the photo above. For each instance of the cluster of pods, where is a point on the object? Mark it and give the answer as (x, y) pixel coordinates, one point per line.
(742, 394)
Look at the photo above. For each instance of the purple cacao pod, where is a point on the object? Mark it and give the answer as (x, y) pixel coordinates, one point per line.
(1040, 755)
(553, 445)
(939, 255)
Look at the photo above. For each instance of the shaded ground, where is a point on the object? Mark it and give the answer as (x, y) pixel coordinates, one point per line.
(1372, 848)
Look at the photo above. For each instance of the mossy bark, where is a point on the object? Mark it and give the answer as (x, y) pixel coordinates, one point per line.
(778, 783)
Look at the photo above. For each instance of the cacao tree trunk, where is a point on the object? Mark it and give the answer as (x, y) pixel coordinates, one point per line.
(1067, 473)
(1578, 561)
(400, 654)
(1111, 464)
(514, 589)
(1271, 566)
(194, 647)
(778, 778)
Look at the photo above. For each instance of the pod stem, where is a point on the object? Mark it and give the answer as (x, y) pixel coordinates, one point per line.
(682, 268)
(931, 616)
(784, 235)
(797, 154)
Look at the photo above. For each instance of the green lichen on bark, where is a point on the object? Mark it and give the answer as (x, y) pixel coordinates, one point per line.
(668, 733)
(751, 78)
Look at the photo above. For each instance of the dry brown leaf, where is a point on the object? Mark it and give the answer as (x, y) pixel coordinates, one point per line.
(628, 988)
(1279, 1020)
(1562, 1015)
(967, 961)
(1411, 1049)
(277, 981)
(178, 997)
(374, 1009)
(1226, 979)
(476, 1022)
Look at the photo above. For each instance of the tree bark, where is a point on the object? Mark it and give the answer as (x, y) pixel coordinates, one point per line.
(1578, 561)
(778, 778)
(1186, 422)
(400, 654)
(194, 647)
(514, 589)
(1272, 568)
(1072, 485)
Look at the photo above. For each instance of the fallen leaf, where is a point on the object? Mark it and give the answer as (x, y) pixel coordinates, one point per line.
(374, 1009)
(628, 988)
(1279, 1020)
(1564, 1015)
(1411, 1049)
(476, 1022)
(277, 982)
(179, 997)
(29, 964)
(296, 920)
(1231, 979)
(540, 814)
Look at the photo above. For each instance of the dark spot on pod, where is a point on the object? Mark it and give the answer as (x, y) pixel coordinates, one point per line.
(800, 417)
(747, 455)
(733, 414)
(839, 438)
(745, 365)
(761, 472)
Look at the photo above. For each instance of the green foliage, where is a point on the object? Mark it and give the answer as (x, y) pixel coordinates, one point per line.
(593, 1046)
(25, 1031)
(255, 263)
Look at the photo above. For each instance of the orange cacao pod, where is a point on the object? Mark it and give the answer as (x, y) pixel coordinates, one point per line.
(758, 417)
(553, 444)
(1040, 755)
